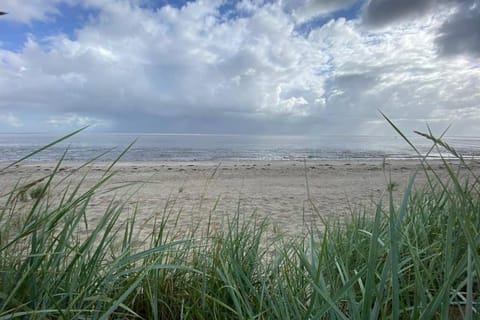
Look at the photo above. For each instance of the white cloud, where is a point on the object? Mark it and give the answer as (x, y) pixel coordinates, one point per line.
(9, 120)
(76, 121)
(190, 69)
(395, 70)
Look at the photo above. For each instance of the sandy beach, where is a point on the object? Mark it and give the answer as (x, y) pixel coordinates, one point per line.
(279, 190)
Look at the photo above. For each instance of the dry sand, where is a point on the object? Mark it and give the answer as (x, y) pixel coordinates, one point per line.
(279, 190)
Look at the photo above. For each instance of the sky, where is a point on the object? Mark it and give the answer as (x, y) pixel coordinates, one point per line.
(240, 67)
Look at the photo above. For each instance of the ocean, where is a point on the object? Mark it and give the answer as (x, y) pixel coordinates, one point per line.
(212, 147)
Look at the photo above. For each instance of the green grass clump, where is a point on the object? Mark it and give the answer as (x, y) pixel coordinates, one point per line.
(416, 260)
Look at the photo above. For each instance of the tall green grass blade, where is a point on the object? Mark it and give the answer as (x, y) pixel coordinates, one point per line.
(370, 287)
(120, 156)
(470, 277)
(395, 226)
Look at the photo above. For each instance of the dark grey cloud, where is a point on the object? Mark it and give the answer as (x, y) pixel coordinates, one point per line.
(211, 122)
(460, 34)
(383, 12)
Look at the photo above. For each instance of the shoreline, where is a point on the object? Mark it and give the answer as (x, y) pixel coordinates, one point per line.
(4, 163)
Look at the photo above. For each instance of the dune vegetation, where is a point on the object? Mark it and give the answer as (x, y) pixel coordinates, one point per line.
(419, 259)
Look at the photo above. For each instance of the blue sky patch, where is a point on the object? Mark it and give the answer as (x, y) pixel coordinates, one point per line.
(70, 18)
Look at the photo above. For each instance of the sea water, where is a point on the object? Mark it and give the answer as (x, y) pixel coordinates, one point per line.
(214, 147)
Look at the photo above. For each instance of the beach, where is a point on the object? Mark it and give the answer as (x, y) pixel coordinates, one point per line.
(182, 231)
(293, 195)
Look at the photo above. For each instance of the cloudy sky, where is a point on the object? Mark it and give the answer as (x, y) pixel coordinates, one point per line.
(252, 66)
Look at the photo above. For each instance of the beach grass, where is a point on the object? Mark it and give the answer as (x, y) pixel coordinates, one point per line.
(417, 258)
